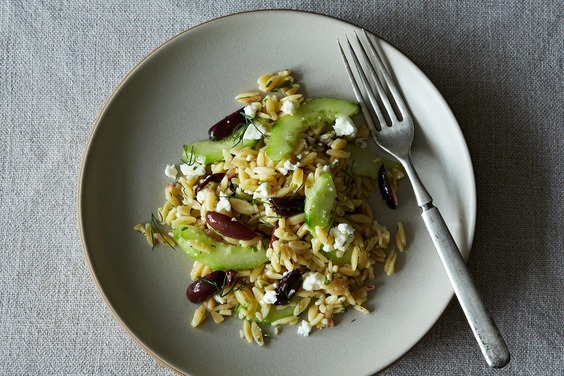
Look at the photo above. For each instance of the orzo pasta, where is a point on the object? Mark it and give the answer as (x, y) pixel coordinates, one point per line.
(273, 210)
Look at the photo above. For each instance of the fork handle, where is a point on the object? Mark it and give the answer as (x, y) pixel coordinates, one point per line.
(485, 330)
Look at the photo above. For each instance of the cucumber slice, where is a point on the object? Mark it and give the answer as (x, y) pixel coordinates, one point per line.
(343, 260)
(320, 202)
(285, 131)
(367, 163)
(217, 255)
(276, 312)
(207, 151)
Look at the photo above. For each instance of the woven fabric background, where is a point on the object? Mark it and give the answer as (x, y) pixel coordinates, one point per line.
(499, 64)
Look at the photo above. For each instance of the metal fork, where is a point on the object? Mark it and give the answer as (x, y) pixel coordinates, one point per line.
(393, 130)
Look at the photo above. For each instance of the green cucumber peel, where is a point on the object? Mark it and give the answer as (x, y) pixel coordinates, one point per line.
(320, 203)
(206, 152)
(285, 131)
(364, 162)
(217, 255)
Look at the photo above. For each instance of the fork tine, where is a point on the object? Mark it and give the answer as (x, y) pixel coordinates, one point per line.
(357, 92)
(367, 88)
(398, 99)
(375, 79)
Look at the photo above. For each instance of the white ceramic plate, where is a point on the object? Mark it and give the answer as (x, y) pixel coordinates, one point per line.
(171, 98)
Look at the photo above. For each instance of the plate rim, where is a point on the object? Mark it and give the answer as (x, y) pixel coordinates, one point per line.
(472, 215)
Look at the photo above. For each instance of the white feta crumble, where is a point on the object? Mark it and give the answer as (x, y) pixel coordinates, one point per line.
(343, 235)
(344, 126)
(201, 196)
(171, 171)
(262, 193)
(251, 109)
(195, 169)
(269, 297)
(360, 142)
(288, 166)
(313, 281)
(304, 329)
(289, 107)
(268, 211)
(223, 204)
(254, 131)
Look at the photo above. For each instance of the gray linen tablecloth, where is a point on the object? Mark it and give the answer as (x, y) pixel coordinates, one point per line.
(499, 64)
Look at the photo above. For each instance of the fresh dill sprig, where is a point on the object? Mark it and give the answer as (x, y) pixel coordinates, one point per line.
(191, 156)
(263, 219)
(348, 171)
(158, 226)
(221, 289)
(241, 128)
(297, 190)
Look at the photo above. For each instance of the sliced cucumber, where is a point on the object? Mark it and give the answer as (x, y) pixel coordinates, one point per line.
(363, 161)
(345, 259)
(285, 131)
(366, 163)
(207, 151)
(276, 312)
(320, 203)
(217, 255)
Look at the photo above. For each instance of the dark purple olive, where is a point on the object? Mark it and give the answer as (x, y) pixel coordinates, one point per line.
(211, 178)
(287, 205)
(206, 286)
(229, 277)
(288, 286)
(226, 126)
(228, 226)
(386, 189)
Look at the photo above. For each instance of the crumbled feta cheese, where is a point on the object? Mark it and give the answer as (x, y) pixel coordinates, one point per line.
(289, 107)
(360, 142)
(304, 329)
(344, 126)
(269, 297)
(313, 281)
(254, 131)
(195, 169)
(268, 211)
(343, 235)
(288, 166)
(223, 204)
(251, 109)
(201, 196)
(171, 171)
(263, 192)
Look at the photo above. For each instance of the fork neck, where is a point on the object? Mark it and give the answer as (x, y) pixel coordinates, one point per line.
(424, 199)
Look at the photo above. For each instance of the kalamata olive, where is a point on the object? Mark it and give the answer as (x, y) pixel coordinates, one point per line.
(206, 286)
(226, 126)
(229, 277)
(386, 189)
(211, 178)
(287, 205)
(228, 226)
(288, 286)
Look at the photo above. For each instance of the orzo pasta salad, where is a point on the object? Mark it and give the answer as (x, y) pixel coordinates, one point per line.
(273, 209)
